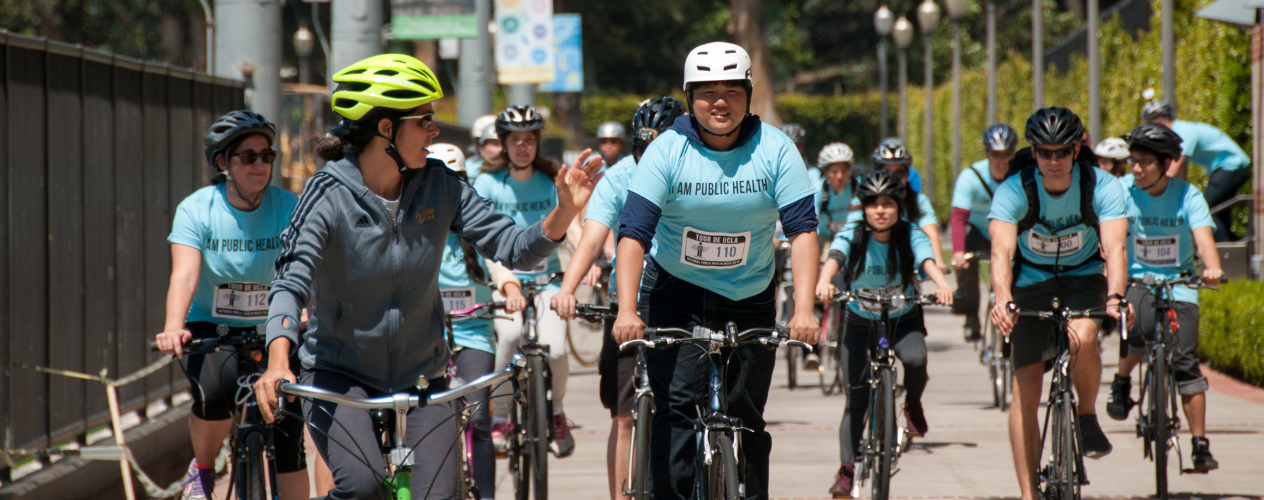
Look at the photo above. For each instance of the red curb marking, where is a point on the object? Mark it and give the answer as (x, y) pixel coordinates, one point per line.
(1232, 387)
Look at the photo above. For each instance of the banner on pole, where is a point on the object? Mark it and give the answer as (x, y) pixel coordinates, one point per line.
(433, 19)
(568, 50)
(524, 41)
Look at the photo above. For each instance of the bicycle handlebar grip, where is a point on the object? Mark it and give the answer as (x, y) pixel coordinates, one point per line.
(153, 346)
(1123, 319)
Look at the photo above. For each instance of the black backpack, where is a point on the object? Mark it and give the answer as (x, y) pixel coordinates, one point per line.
(1088, 184)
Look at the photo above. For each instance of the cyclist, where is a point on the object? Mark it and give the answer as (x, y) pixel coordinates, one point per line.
(524, 189)
(1047, 225)
(889, 253)
(836, 192)
(611, 141)
(1228, 166)
(368, 234)
(464, 280)
(971, 201)
(1168, 219)
(219, 277)
(616, 368)
(892, 156)
(700, 217)
(481, 147)
(1112, 156)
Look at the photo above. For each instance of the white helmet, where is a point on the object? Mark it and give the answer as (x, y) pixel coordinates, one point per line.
(610, 130)
(450, 155)
(489, 134)
(480, 124)
(834, 152)
(717, 62)
(1112, 147)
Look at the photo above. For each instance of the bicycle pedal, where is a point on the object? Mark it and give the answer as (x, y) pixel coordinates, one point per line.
(1194, 471)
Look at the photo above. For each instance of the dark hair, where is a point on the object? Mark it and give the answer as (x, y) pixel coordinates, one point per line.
(355, 135)
(1137, 148)
(910, 207)
(899, 250)
(541, 164)
(468, 253)
(221, 176)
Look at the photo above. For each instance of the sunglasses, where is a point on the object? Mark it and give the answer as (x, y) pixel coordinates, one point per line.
(250, 157)
(423, 120)
(1142, 163)
(1054, 154)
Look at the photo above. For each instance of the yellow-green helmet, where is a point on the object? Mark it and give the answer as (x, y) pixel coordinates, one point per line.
(394, 81)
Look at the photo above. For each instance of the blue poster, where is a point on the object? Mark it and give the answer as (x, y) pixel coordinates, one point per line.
(568, 65)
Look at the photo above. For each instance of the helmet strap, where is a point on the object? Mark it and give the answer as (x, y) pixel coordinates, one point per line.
(391, 150)
(258, 199)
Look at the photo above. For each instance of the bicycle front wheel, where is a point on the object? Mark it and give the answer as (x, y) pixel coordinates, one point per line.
(538, 422)
(1063, 480)
(641, 416)
(722, 483)
(464, 480)
(884, 419)
(251, 485)
(519, 462)
(1159, 418)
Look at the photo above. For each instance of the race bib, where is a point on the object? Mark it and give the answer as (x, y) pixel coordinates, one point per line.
(457, 299)
(1063, 245)
(1158, 251)
(871, 306)
(709, 250)
(241, 301)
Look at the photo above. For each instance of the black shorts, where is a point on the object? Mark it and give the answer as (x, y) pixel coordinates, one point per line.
(616, 387)
(1035, 340)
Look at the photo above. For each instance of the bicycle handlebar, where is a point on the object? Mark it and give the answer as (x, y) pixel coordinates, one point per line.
(402, 401)
(476, 309)
(1056, 312)
(212, 344)
(1152, 282)
(662, 338)
(595, 313)
(925, 300)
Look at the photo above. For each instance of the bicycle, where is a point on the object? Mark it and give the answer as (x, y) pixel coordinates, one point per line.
(466, 489)
(252, 437)
(1063, 475)
(884, 442)
(600, 297)
(992, 354)
(719, 443)
(1157, 420)
(786, 292)
(833, 328)
(642, 409)
(532, 423)
(390, 422)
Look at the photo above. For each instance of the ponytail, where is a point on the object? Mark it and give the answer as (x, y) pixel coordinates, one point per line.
(352, 136)
(472, 267)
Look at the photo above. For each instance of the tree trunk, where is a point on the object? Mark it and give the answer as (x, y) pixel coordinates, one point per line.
(427, 51)
(748, 31)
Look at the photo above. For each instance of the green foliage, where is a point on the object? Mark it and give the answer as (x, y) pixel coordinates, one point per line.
(1231, 330)
(127, 27)
(851, 119)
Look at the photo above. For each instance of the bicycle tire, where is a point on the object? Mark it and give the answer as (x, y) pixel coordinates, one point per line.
(570, 343)
(643, 413)
(792, 367)
(1062, 482)
(884, 417)
(829, 326)
(1007, 381)
(254, 487)
(722, 478)
(1159, 419)
(464, 479)
(538, 423)
(519, 464)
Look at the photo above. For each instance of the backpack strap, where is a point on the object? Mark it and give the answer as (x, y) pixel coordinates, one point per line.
(983, 182)
(1028, 177)
(1088, 214)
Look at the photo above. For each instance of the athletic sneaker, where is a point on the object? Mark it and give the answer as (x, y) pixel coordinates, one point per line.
(916, 419)
(1092, 438)
(1119, 402)
(811, 362)
(500, 436)
(1203, 461)
(563, 443)
(843, 481)
(198, 483)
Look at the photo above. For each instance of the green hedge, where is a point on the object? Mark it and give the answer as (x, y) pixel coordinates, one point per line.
(1231, 331)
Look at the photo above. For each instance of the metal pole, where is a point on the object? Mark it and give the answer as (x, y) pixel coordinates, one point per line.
(902, 116)
(991, 61)
(210, 37)
(882, 83)
(324, 46)
(956, 97)
(475, 97)
(1094, 75)
(1169, 54)
(1257, 140)
(928, 168)
(356, 31)
(1037, 55)
(249, 38)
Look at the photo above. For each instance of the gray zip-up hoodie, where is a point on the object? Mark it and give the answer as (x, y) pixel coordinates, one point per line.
(378, 317)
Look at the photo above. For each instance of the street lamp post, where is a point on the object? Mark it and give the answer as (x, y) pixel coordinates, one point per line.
(1037, 55)
(882, 24)
(956, 11)
(304, 42)
(991, 61)
(1094, 75)
(903, 35)
(928, 17)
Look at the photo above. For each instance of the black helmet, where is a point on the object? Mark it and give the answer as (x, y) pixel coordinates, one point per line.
(1156, 109)
(655, 117)
(232, 126)
(1054, 126)
(794, 131)
(892, 152)
(1155, 137)
(878, 182)
(999, 137)
(518, 119)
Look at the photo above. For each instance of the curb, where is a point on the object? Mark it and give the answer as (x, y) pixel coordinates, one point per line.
(1230, 386)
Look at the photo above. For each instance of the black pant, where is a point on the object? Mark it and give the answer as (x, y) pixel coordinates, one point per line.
(910, 348)
(966, 300)
(1221, 186)
(472, 364)
(678, 379)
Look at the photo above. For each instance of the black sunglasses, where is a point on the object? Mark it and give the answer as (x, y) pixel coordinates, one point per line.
(1052, 154)
(250, 157)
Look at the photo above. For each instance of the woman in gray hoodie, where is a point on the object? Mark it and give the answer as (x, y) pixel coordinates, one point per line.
(364, 245)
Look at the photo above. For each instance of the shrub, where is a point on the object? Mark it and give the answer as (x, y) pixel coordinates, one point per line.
(1231, 330)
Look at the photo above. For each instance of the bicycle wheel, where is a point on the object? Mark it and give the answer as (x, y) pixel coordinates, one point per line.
(1062, 481)
(251, 484)
(1159, 418)
(641, 416)
(884, 417)
(464, 479)
(570, 343)
(722, 483)
(538, 423)
(519, 462)
(826, 368)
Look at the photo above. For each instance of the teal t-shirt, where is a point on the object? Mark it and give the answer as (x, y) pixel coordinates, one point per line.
(239, 251)
(1160, 232)
(526, 203)
(607, 202)
(971, 195)
(815, 177)
(927, 217)
(720, 208)
(1208, 146)
(458, 291)
(832, 207)
(880, 276)
(1061, 237)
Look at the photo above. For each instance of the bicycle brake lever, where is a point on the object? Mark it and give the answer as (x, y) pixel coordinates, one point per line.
(635, 343)
(796, 343)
